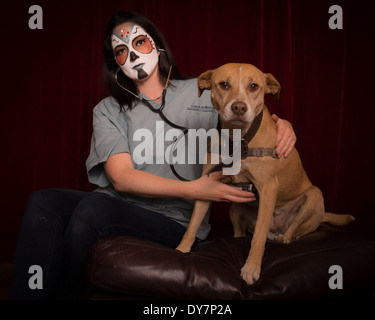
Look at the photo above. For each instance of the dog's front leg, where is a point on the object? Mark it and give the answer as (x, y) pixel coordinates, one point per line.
(250, 272)
(199, 212)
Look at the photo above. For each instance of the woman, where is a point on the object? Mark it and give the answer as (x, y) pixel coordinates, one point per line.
(137, 195)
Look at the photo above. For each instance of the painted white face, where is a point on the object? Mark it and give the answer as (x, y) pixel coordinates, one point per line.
(134, 51)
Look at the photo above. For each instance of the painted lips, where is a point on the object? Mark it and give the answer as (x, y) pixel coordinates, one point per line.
(138, 66)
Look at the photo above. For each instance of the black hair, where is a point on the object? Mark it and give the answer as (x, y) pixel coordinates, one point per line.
(125, 99)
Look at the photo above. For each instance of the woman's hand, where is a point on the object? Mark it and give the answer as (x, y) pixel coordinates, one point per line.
(286, 138)
(209, 188)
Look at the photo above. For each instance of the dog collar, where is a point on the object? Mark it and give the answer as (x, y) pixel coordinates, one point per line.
(245, 150)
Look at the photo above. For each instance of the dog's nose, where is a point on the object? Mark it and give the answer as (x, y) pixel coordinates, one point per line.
(239, 108)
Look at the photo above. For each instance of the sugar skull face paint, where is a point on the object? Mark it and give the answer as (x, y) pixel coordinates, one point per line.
(134, 51)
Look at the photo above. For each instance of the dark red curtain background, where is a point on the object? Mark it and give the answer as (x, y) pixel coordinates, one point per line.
(51, 80)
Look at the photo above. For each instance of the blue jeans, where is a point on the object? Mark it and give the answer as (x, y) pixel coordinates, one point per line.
(60, 227)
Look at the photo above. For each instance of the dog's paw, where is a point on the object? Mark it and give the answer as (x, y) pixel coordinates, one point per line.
(250, 273)
(282, 238)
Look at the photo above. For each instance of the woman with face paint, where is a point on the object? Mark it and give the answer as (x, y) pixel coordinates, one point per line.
(137, 195)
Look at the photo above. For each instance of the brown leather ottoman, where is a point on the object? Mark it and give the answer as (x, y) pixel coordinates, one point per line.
(128, 267)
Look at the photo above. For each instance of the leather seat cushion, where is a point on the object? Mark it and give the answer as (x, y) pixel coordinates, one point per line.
(299, 270)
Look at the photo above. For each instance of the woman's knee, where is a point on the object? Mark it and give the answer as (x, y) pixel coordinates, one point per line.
(39, 208)
(89, 214)
(50, 206)
(39, 198)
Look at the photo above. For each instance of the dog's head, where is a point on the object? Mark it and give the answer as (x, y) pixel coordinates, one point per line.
(237, 92)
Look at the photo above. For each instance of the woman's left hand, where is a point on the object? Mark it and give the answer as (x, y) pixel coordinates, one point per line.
(286, 138)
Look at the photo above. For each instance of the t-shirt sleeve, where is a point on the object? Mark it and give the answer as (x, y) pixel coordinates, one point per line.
(109, 137)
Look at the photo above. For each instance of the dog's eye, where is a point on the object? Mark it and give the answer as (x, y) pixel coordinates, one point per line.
(253, 87)
(224, 85)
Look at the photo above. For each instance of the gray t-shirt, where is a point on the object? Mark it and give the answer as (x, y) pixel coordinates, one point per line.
(116, 131)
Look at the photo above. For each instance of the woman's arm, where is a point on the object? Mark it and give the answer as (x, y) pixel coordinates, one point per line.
(124, 178)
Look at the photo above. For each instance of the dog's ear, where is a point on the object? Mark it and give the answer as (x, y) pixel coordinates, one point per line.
(273, 86)
(204, 81)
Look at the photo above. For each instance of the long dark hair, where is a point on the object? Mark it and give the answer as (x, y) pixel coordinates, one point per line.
(125, 99)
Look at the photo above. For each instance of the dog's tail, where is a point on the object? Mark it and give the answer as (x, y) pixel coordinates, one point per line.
(337, 219)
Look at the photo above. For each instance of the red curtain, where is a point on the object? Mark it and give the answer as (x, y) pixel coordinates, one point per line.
(51, 80)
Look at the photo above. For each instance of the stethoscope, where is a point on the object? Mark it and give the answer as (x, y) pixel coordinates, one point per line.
(162, 115)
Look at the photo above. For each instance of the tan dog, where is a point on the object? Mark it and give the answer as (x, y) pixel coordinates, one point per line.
(289, 206)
